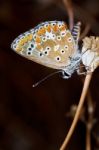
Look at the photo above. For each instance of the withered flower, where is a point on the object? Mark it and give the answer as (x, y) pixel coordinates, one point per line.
(90, 49)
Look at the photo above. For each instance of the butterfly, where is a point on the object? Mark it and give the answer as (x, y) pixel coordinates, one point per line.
(51, 44)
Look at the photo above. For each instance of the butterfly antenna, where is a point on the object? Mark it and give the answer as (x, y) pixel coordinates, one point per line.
(48, 76)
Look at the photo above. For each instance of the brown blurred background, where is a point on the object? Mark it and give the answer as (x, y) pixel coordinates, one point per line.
(35, 118)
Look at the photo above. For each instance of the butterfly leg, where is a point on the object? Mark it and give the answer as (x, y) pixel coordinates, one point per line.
(87, 71)
(65, 75)
(79, 72)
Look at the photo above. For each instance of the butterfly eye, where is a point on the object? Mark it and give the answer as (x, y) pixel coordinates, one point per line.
(41, 54)
(59, 25)
(53, 36)
(53, 24)
(58, 58)
(17, 41)
(46, 25)
(44, 39)
(20, 36)
(29, 49)
(40, 27)
(14, 42)
(63, 34)
(36, 30)
(70, 40)
(46, 52)
(29, 53)
(14, 46)
(34, 37)
(58, 38)
(62, 24)
(48, 48)
(48, 37)
(32, 45)
(62, 51)
(66, 47)
(26, 33)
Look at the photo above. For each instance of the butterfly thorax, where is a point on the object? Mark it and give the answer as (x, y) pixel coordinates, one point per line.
(72, 67)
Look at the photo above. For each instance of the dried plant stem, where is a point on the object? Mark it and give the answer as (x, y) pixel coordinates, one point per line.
(69, 8)
(78, 111)
(86, 30)
(88, 138)
(90, 121)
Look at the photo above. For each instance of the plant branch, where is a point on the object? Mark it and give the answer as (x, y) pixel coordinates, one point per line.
(88, 137)
(78, 111)
(90, 122)
(69, 9)
(86, 30)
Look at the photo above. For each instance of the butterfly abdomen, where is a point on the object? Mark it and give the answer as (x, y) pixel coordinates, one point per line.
(76, 31)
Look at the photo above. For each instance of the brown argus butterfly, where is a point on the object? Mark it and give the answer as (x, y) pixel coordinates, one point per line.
(51, 44)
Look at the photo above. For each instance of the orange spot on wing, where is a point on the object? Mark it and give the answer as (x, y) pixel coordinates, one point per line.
(39, 47)
(18, 49)
(25, 39)
(55, 28)
(41, 31)
(21, 42)
(64, 27)
(38, 40)
(48, 28)
(30, 36)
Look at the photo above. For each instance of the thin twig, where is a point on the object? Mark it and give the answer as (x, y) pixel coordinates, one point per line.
(86, 30)
(78, 111)
(88, 137)
(69, 9)
(84, 16)
(90, 122)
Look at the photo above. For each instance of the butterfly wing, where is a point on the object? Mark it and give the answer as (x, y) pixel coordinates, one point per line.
(50, 44)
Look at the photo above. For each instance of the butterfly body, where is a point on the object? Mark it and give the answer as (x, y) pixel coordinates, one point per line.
(50, 44)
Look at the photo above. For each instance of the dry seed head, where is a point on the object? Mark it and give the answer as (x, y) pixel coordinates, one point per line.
(91, 57)
(91, 43)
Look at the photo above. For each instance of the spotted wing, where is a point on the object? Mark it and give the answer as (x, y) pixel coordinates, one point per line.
(50, 44)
